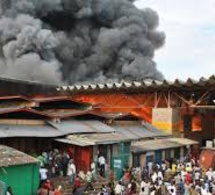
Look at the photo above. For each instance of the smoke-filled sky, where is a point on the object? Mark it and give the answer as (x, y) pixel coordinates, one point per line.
(189, 26)
(77, 41)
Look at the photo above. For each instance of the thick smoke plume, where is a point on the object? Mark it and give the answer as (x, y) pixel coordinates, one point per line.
(76, 41)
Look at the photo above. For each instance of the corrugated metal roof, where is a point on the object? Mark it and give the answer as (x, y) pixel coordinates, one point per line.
(98, 126)
(97, 138)
(151, 145)
(80, 126)
(75, 142)
(10, 157)
(54, 129)
(147, 83)
(159, 144)
(29, 131)
(139, 131)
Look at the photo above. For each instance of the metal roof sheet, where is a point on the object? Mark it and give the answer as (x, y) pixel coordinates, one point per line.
(98, 126)
(139, 131)
(147, 83)
(75, 142)
(159, 144)
(10, 157)
(29, 131)
(98, 138)
(183, 141)
(151, 145)
(80, 126)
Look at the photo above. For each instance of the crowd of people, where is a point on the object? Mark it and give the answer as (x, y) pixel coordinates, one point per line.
(173, 177)
(170, 177)
(55, 163)
(182, 176)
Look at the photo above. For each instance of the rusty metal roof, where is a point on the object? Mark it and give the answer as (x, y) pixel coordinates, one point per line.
(11, 157)
(145, 84)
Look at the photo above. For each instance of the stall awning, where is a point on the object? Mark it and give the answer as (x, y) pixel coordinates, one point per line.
(160, 144)
(94, 139)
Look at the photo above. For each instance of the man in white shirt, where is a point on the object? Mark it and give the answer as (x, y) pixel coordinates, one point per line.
(209, 174)
(71, 172)
(102, 165)
(43, 174)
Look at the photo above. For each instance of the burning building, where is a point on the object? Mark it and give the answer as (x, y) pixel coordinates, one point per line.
(185, 109)
(84, 118)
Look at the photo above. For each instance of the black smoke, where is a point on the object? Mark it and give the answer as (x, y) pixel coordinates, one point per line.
(77, 41)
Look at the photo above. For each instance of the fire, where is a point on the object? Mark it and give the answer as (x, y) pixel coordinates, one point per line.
(140, 106)
(197, 123)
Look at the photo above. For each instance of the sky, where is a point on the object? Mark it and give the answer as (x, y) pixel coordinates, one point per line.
(189, 26)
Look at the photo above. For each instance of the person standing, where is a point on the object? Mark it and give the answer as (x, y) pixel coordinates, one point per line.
(43, 174)
(101, 161)
(71, 171)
